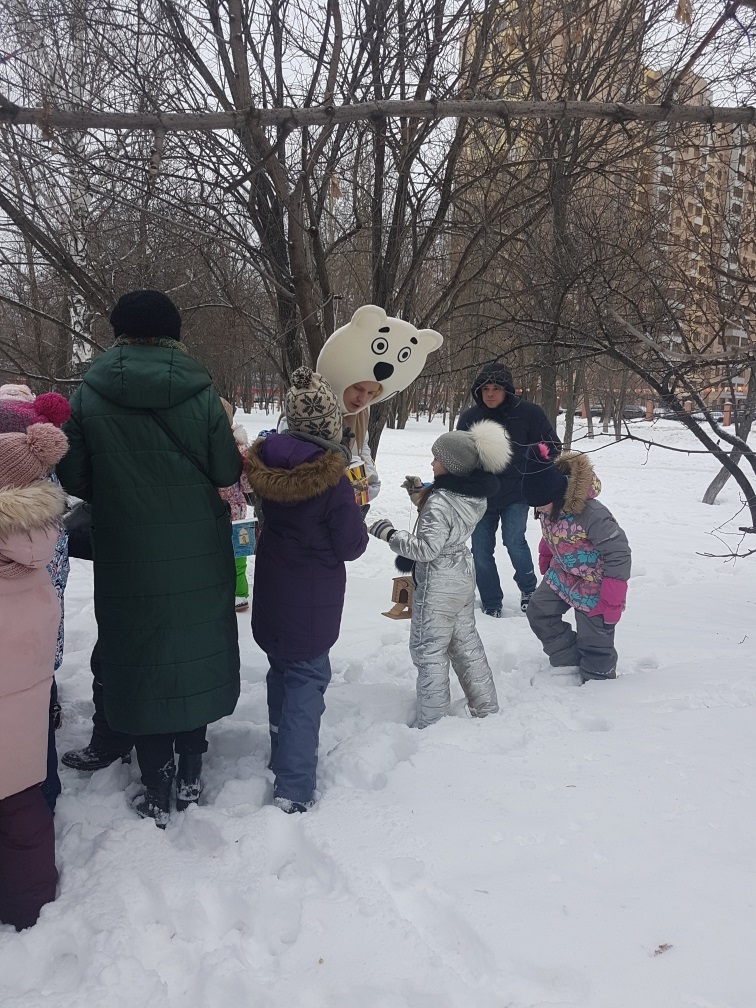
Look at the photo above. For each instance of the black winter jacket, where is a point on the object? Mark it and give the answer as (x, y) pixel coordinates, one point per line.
(525, 422)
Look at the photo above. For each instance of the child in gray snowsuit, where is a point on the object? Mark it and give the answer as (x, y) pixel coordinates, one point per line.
(443, 608)
(585, 559)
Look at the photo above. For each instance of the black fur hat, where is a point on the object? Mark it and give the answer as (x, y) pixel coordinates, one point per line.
(542, 482)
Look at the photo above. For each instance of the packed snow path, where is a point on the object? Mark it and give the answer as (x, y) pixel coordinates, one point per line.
(589, 847)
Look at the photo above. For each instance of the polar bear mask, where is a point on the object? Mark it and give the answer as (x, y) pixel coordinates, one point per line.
(373, 346)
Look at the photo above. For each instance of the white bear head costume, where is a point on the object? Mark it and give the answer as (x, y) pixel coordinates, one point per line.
(373, 346)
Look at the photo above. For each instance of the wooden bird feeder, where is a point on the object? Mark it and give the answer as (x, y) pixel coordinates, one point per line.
(401, 596)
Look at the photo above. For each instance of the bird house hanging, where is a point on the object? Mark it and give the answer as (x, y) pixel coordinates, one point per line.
(401, 596)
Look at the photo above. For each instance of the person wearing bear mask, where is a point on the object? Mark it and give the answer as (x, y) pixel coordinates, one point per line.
(369, 359)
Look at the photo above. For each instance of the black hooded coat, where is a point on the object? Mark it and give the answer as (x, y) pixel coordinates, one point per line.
(525, 422)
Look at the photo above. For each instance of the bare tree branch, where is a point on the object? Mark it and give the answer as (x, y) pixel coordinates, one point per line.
(298, 118)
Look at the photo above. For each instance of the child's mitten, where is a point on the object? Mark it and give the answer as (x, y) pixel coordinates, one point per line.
(612, 596)
(382, 529)
(544, 556)
(415, 488)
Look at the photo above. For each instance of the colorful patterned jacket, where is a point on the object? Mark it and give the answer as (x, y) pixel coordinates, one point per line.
(234, 495)
(584, 554)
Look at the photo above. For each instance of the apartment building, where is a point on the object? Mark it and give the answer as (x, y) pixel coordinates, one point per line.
(687, 195)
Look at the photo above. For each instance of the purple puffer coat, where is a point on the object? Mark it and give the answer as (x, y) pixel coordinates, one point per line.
(311, 525)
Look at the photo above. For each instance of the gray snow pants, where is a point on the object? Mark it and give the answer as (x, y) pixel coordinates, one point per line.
(440, 634)
(591, 647)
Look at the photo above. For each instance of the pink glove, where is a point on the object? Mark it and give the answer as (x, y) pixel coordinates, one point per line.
(612, 596)
(544, 556)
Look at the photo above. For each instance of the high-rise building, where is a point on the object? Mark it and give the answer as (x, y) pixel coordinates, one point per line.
(682, 199)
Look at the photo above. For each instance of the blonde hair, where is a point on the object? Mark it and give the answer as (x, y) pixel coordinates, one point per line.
(359, 425)
(358, 422)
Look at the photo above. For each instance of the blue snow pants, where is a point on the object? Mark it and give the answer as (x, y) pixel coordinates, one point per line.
(296, 691)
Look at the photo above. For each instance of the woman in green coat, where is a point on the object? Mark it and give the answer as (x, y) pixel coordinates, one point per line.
(149, 444)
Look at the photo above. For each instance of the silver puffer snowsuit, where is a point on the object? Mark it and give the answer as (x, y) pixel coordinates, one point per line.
(443, 613)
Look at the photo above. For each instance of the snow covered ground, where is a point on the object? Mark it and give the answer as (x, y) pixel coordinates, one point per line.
(589, 847)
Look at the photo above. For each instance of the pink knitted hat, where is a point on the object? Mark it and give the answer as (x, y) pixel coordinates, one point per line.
(17, 415)
(27, 457)
(21, 392)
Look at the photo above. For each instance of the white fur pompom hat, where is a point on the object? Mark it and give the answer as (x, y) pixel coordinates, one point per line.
(485, 446)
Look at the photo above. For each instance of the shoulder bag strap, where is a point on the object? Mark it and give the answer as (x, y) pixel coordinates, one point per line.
(184, 451)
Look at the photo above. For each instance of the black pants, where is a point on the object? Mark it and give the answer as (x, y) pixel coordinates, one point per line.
(51, 784)
(104, 738)
(155, 753)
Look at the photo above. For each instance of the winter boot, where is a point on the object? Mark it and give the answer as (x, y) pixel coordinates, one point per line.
(495, 612)
(525, 600)
(155, 804)
(289, 807)
(91, 758)
(188, 780)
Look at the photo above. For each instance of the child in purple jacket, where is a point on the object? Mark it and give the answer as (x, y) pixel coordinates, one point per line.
(311, 525)
(585, 559)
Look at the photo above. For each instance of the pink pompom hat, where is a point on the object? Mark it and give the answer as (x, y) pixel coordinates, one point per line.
(29, 456)
(16, 414)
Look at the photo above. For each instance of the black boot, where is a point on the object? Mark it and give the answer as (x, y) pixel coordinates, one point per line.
(91, 758)
(188, 780)
(155, 804)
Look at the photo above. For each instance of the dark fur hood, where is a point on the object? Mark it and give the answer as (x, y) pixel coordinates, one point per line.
(290, 486)
(476, 484)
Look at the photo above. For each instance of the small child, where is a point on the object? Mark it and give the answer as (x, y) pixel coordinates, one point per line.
(312, 524)
(237, 502)
(585, 558)
(19, 409)
(30, 510)
(443, 608)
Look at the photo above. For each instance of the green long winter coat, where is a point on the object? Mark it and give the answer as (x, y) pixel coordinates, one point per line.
(163, 561)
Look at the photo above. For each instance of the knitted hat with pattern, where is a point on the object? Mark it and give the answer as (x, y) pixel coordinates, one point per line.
(26, 457)
(311, 406)
(17, 415)
(22, 392)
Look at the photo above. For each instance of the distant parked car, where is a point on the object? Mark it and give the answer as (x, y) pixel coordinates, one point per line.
(597, 410)
(633, 412)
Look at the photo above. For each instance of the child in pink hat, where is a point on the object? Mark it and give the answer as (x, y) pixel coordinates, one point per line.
(30, 510)
(17, 413)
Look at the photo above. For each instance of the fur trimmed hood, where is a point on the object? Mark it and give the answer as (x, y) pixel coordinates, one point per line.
(290, 486)
(37, 505)
(582, 481)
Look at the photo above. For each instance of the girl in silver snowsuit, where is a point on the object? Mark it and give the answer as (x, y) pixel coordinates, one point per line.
(443, 609)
